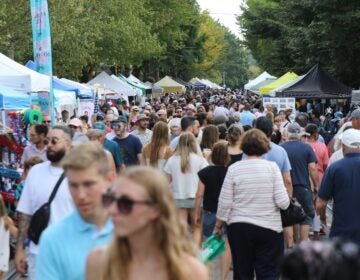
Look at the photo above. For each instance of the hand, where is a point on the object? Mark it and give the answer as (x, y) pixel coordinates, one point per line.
(20, 260)
(218, 230)
(197, 219)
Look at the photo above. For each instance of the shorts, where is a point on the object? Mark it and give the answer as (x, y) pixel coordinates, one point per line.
(208, 223)
(187, 203)
(304, 196)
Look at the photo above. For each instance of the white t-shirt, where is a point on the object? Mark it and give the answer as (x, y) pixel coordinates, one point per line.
(39, 184)
(184, 185)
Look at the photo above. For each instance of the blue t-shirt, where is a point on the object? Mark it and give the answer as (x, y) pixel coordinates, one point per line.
(278, 155)
(341, 183)
(130, 147)
(114, 149)
(247, 118)
(300, 155)
(65, 246)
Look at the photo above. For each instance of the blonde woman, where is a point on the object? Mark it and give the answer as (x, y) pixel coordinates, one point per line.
(182, 169)
(150, 241)
(158, 151)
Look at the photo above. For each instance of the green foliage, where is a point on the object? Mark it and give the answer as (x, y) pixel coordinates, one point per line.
(155, 37)
(294, 35)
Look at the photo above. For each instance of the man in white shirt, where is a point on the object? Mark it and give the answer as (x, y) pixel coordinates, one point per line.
(39, 184)
(141, 130)
(221, 110)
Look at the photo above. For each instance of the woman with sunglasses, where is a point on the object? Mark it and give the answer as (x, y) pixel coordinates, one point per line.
(182, 169)
(150, 241)
(158, 151)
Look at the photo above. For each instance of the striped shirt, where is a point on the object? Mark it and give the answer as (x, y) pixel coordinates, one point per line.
(253, 192)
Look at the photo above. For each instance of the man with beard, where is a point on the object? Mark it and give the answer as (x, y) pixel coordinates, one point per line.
(39, 184)
(142, 130)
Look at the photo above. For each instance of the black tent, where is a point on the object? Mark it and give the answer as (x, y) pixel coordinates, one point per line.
(317, 83)
(182, 82)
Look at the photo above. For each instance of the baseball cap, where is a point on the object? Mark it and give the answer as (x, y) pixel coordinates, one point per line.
(100, 116)
(100, 126)
(191, 107)
(295, 128)
(355, 114)
(142, 117)
(121, 118)
(351, 138)
(75, 122)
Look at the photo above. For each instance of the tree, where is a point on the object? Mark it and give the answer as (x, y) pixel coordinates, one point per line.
(294, 35)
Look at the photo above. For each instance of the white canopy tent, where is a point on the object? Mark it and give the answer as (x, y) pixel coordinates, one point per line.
(113, 84)
(20, 77)
(137, 82)
(262, 77)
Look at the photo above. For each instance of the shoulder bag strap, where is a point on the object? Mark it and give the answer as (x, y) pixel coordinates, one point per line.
(58, 183)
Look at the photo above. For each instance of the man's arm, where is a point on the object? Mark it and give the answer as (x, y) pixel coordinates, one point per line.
(20, 260)
(287, 182)
(314, 174)
(320, 209)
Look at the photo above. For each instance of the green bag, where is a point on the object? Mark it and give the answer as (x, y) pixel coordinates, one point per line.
(212, 248)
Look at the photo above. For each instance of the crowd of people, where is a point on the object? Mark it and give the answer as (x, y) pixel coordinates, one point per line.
(140, 187)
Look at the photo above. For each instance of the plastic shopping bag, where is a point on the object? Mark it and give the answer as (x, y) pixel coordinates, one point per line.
(213, 247)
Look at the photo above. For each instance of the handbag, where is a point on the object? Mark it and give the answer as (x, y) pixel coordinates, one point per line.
(212, 248)
(293, 215)
(40, 220)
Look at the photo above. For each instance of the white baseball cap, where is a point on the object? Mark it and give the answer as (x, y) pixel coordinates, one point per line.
(351, 138)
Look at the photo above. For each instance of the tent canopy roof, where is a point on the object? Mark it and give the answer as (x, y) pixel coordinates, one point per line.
(262, 77)
(169, 85)
(13, 100)
(114, 84)
(317, 83)
(20, 77)
(287, 77)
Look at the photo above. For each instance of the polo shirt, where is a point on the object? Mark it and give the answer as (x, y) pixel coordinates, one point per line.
(65, 246)
(114, 149)
(341, 183)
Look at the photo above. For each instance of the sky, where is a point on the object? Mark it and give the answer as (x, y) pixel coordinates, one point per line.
(225, 11)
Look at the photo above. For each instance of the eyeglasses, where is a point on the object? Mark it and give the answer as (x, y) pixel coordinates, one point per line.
(124, 203)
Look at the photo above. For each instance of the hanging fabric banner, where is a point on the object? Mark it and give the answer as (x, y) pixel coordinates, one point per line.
(41, 36)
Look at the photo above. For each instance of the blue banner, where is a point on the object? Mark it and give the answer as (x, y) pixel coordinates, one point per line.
(41, 36)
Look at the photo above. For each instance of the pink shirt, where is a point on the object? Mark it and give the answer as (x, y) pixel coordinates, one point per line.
(322, 157)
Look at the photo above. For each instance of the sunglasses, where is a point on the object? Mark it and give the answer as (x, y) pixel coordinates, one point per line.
(53, 141)
(115, 126)
(46, 122)
(124, 203)
(74, 127)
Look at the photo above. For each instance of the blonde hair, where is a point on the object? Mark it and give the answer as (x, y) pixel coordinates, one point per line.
(186, 146)
(87, 154)
(94, 133)
(159, 139)
(170, 231)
